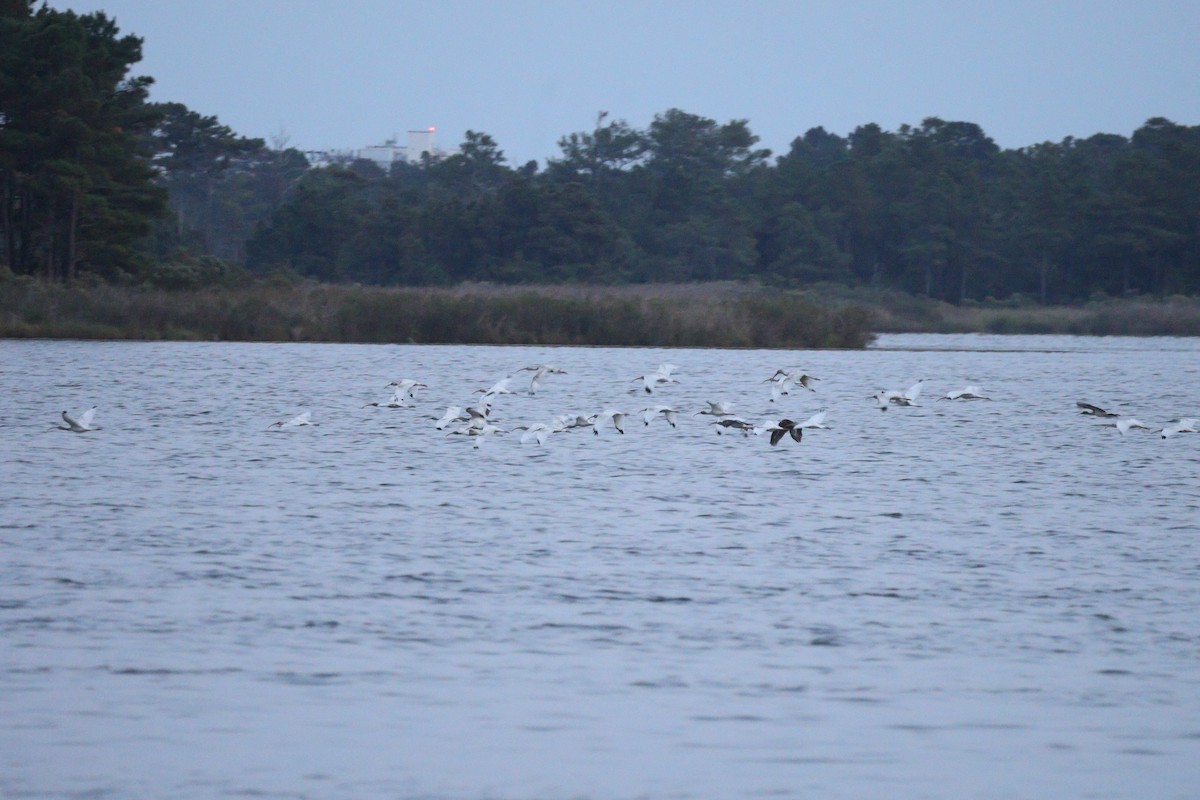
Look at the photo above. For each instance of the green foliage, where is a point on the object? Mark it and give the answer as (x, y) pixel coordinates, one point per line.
(96, 182)
(936, 210)
(77, 194)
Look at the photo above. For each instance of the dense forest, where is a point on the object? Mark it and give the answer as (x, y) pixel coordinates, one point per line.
(98, 182)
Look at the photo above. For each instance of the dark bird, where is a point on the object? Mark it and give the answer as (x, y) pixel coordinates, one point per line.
(785, 427)
(1095, 411)
(734, 423)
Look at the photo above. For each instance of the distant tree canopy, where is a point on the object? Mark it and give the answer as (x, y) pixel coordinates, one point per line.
(937, 209)
(95, 179)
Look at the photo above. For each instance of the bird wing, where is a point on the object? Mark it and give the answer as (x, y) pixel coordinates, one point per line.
(85, 419)
(776, 435)
(815, 421)
(914, 391)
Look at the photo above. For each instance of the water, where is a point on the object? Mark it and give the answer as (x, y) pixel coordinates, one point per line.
(992, 600)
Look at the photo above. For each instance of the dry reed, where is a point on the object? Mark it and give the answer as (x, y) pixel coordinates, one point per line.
(702, 315)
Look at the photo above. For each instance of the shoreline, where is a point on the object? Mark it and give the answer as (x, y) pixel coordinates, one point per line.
(725, 315)
(660, 316)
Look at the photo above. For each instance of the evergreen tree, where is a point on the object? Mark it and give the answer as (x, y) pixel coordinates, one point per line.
(77, 192)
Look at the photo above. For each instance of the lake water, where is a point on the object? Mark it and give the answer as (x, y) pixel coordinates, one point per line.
(957, 600)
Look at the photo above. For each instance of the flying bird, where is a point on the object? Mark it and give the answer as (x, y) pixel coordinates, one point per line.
(295, 422)
(717, 408)
(785, 427)
(406, 386)
(650, 413)
(452, 413)
(502, 386)
(535, 432)
(734, 423)
(796, 377)
(617, 417)
(1123, 426)
(817, 420)
(81, 425)
(397, 401)
(1185, 425)
(579, 421)
(968, 393)
(1094, 411)
(539, 372)
(897, 398)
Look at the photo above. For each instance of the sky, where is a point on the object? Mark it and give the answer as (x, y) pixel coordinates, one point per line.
(345, 74)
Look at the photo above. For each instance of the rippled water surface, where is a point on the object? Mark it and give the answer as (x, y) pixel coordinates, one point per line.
(982, 599)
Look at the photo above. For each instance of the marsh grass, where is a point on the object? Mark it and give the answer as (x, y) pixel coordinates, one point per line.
(1171, 316)
(667, 315)
(702, 315)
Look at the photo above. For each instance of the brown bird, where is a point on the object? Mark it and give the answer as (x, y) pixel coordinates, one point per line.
(785, 427)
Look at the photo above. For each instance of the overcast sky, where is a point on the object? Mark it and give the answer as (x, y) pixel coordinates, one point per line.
(348, 73)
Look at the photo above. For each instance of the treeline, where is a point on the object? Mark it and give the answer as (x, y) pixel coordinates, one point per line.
(97, 181)
(938, 210)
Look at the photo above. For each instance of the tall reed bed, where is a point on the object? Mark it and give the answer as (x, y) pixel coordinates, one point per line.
(1172, 316)
(712, 315)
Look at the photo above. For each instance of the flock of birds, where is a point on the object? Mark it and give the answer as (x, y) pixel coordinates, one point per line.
(475, 420)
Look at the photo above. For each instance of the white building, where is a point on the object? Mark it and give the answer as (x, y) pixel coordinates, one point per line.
(391, 151)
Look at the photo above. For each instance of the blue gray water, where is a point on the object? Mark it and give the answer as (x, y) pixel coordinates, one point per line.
(958, 600)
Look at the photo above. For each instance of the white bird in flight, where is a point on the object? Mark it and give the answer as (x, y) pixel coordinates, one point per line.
(967, 393)
(650, 413)
(295, 422)
(717, 408)
(896, 398)
(502, 386)
(397, 401)
(452, 413)
(661, 375)
(1185, 425)
(535, 432)
(817, 420)
(1123, 426)
(539, 372)
(81, 425)
(617, 417)
(407, 386)
(782, 379)
(579, 421)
